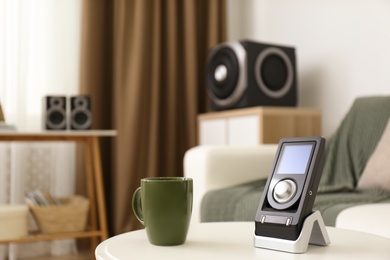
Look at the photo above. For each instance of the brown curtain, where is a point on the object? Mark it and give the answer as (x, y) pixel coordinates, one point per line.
(143, 63)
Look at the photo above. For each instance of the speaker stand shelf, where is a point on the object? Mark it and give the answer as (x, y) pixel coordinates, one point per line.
(313, 232)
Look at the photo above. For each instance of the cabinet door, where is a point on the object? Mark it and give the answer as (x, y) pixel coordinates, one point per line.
(243, 130)
(212, 132)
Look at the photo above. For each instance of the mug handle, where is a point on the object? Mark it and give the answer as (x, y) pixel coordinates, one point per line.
(137, 205)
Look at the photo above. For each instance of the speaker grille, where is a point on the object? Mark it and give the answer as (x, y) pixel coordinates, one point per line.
(274, 72)
(56, 117)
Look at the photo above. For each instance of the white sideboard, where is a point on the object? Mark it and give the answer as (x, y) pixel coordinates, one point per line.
(251, 126)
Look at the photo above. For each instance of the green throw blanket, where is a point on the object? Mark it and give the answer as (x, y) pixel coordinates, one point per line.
(347, 153)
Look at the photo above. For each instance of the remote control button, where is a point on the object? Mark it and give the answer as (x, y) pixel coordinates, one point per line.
(284, 191)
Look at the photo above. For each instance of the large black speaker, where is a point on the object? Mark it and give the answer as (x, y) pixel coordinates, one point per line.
(55, 113)
(247, 73)
(80, 112)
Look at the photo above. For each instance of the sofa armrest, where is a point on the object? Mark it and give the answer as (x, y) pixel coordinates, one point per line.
(216, 167)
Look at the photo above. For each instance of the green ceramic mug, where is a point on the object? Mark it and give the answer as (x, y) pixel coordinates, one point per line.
(164, 206)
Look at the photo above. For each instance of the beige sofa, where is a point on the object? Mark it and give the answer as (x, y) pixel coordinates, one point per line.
(218, 167)
(354, 191)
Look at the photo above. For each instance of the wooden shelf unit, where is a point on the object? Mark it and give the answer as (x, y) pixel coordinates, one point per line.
(97, 213)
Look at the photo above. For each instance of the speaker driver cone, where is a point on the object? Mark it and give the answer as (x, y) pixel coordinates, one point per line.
(226, 73)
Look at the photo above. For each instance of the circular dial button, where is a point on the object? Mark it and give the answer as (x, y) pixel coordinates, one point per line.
(284, 191)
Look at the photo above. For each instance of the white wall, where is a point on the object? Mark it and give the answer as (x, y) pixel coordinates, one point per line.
(342, 46)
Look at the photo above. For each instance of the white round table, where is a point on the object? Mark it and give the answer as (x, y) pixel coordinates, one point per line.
(234, 240)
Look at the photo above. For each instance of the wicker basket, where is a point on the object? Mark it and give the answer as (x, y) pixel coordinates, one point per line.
(71, 216)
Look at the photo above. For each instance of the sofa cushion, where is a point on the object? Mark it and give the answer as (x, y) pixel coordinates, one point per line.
(377, 171)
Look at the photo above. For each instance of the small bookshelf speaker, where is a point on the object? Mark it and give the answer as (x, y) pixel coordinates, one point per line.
(80, 112)
(55, 113)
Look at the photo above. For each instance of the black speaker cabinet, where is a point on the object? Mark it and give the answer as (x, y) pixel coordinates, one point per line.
(247, 73)
(55, 113)
(80, 112)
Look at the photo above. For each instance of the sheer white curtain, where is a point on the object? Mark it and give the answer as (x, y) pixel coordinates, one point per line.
(39, 55)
